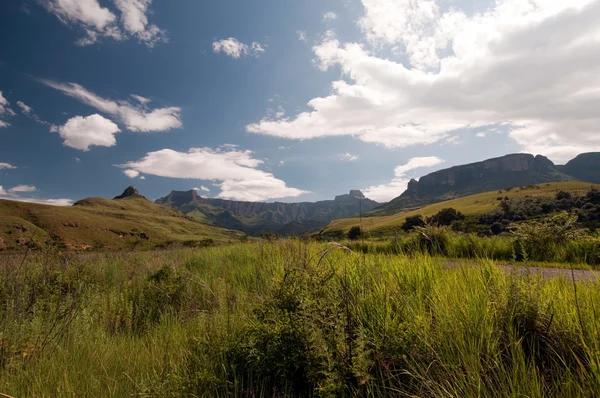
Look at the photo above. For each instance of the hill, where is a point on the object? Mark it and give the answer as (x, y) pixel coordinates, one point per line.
(513, 170)
(472, 205)
(102, 223)
(254, 218)
(585, 167)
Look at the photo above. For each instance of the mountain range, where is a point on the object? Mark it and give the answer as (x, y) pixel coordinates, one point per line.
(254, 218)
(499, 173)
(131, 220)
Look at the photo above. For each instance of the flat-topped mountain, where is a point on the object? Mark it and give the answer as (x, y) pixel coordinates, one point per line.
(512, 170)
(254, 218)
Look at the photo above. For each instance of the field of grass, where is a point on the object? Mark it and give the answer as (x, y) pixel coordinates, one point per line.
(290, 318)
(469, 205)
(98, 223)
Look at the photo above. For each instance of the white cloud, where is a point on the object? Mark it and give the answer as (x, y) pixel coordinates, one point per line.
(387, 192)
(201, 188)
(97, 21)
(23, 188)
(2, 191)
(140, 99)
(131, 173)
(235, 170)
(142, 177)
(6, 166)
(135, 118)
(235, 49)
(329, 16)
(528, 65)
(5, 110)
(135, 21)
(24, 108)
(348, 157)
(302, 35)
(51, 202)
(480, 135)
(82, 132)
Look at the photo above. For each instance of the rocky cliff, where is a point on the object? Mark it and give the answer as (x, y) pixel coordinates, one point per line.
(254, 218)
(498, 173)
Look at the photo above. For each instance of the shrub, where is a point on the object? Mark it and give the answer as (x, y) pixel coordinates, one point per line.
(354, 233)
(541, 240)
(413, 221)
(447, 216)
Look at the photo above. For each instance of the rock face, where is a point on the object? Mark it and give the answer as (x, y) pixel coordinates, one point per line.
(129, 192)
(254, 218)
(498, 173)
(585, 167)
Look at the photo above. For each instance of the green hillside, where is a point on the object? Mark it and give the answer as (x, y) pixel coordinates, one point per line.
(470, 205)
(514, 170)
(97, 223)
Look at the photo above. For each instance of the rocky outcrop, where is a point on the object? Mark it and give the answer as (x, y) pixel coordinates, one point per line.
(254, 218)
(585, 167)
(129, 192)
(497, 173)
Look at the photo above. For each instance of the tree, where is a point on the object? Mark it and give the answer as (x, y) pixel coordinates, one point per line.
(354, 233)
(413, 221)
(447, 216)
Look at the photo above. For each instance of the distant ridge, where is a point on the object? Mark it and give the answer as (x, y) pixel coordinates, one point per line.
(585, 167)
(128, 221)
(254, 218)
(507, 171)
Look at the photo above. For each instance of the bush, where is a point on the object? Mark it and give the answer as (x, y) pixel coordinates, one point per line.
(413, 221)
(447, 216)
(354, 233)
(542, 240)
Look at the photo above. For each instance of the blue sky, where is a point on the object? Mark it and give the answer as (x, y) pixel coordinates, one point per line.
(284, 100)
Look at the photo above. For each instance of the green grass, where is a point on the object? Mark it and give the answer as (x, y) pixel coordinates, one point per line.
(290, 319)
(469, 206)
(97, 223)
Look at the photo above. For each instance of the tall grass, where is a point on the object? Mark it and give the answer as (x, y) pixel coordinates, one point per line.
(290, 318)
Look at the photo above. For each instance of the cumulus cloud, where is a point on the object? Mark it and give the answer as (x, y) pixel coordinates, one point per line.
(24, 108)
(8, 166)
(348, 157)
(135, 118)
(201, 188)
(82, 132)
(235, 172)
(529, 66)
(98, 21)
(135, 21)
(329, 16)
(235, 49)
(13, 194)
(387, 192)
(131, 173)
(302, 35)
(23, 188)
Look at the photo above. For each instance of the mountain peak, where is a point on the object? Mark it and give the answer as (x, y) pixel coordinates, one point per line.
(356, 193)
(130, 191)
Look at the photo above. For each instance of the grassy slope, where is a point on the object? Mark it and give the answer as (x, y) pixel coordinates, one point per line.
(469, 205)
(263, 319)
(101, 223)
